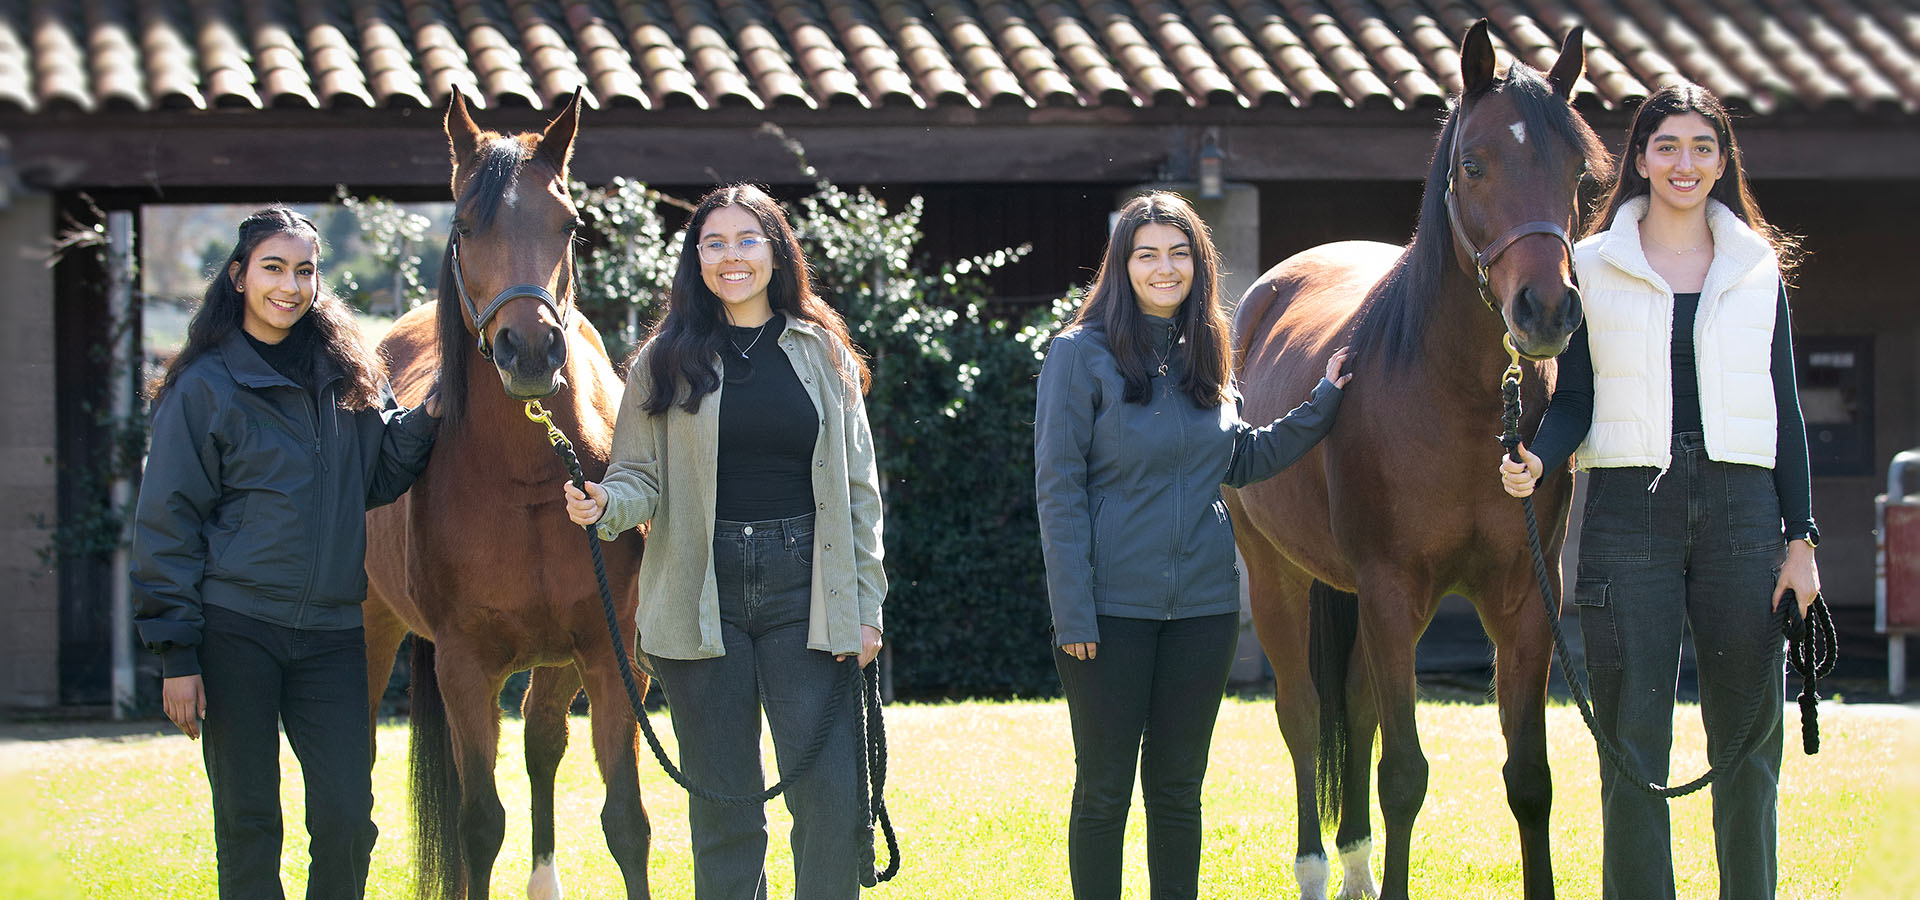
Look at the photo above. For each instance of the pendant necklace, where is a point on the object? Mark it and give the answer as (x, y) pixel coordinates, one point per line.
(756, 340)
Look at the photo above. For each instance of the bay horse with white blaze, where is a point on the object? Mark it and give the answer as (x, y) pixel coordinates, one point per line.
(478, 560)
(1397, 505)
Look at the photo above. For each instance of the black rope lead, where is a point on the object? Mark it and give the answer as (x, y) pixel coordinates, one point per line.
(1818, 656)
(875, 739)
(1812, 649)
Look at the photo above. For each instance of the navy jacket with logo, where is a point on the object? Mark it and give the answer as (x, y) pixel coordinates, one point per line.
(254, 499)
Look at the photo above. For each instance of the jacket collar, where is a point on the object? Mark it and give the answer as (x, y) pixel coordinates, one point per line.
(246, 366)
(1161, 332)
(1737, 249)
(250, 371)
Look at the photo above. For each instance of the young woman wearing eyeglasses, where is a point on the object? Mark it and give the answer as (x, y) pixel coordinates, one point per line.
(743, 439)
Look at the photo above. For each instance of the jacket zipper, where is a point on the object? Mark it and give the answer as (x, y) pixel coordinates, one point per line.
(1180, 491)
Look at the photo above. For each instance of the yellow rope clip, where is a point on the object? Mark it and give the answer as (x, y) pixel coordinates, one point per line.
(1513, 357)
(539, 415)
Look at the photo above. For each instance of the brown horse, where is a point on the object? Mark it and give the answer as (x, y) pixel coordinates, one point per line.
(1400, 503)
(478, 560)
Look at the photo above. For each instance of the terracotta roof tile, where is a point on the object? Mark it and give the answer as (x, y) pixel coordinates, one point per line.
(393, 77)
(113, 57)
(59, 63)
(338, 79)
(16, 79)
(926, 57)
(1766, 56)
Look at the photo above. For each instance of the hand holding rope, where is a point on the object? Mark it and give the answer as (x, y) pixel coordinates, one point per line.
(872, 728)
(1811, 644)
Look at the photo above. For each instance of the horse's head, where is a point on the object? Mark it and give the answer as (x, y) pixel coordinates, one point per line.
(510, 257)
(1516, 157)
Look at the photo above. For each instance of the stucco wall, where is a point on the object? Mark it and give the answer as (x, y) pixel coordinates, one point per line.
(29, 674)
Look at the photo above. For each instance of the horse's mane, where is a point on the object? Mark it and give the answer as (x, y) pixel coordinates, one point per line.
(498, 166)
(1393, 318)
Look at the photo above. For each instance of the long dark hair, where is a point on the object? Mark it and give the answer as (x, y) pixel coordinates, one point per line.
(327, 328)
(1679, 99)
(1112, 307)
(685, 342)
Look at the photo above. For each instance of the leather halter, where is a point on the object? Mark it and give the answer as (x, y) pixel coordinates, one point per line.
(1485, 258)
(480, 317)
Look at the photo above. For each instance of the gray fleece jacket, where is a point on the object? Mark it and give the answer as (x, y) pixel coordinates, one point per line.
(1131, 520)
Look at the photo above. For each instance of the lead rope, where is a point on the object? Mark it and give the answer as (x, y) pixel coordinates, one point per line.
(1816, 644)
(875, 740)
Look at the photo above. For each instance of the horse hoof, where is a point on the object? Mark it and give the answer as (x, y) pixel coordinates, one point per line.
(1310, 872)
(1357, 883)
(544, 883)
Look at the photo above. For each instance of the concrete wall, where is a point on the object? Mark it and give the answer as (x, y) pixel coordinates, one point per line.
(29, 592)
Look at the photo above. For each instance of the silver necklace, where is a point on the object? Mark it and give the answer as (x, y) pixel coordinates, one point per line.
(1680, 252)
(1162, 370)
(756, 340)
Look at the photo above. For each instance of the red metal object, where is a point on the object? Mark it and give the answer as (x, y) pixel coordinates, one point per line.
(1903, 566)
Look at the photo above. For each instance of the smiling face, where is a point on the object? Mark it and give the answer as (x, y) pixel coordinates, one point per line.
(1160, 267)
(277, 286)
(1682, 161)
(736, 264)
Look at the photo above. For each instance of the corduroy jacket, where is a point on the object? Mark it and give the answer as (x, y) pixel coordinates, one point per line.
(663, 472)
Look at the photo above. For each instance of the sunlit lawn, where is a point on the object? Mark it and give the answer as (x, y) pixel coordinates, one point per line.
(979, 792)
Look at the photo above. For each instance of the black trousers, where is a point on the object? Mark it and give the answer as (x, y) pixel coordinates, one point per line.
(258, 676)
(1149, 696)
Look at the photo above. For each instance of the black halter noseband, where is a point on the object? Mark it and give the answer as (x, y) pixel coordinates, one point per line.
(480, 317)
(1484, 258)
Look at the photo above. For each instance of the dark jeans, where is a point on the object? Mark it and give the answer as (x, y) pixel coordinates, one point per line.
(1702, 551)
(764, 571)
(1150, 694)
(258, 676)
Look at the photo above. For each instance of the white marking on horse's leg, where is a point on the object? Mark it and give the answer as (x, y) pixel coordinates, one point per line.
(1519, 130)
(1357, 883)
(544, 883)
(1310, 872)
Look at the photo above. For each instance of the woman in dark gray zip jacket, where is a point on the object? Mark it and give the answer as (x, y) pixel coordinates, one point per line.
(272, 436)
(1136, 427)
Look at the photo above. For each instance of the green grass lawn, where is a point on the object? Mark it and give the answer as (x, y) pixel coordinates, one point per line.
(979, 792)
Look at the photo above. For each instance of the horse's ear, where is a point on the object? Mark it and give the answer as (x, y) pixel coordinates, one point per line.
(556, 143)
(1573, 59)
(463, 137)
(1476, 60)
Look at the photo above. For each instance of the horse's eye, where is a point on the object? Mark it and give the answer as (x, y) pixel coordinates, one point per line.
(462, 229)
(1471, 168)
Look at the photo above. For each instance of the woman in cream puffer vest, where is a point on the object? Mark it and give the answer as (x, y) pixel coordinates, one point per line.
(1679, 392)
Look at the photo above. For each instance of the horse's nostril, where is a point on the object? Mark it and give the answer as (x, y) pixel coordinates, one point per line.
(1526, 310)
(1571, 311)
(505, 348)
(556, 348)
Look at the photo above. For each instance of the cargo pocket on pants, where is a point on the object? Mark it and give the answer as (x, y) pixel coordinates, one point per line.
(1596, 623)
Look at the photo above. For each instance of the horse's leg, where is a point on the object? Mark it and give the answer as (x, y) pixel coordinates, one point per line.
(1280, 618)
(384, 631)
(550, 691)
(623, 817)
(1394, 608)
(1355, 838)
(472, 696)
(1522, 648)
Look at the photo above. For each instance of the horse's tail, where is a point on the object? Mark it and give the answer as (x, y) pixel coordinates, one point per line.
(440, 870)
(1335, 617)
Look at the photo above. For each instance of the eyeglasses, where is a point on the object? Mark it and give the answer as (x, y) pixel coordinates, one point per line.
(746, 248)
